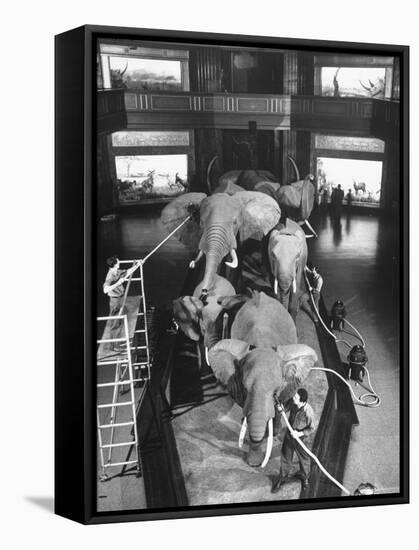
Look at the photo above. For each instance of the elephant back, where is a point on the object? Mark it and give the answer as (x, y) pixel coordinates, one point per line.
(248, 179)
(268, 187)
(227, 186)
(264, 321)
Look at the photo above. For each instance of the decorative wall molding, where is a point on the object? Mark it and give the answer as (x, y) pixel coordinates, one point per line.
(217, 103)
(206, 110)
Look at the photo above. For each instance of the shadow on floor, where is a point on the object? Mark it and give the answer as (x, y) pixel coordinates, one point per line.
(46, 503)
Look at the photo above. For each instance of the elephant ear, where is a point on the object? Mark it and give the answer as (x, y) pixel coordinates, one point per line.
(177, 211)
(307, 197)
(289, 195)
(296, 362)
(187, 312)
(260, 213)
(223, 357)
(300, 195)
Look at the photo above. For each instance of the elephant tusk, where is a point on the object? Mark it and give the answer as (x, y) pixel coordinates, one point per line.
(269, 445)
(276, 286)
(206, 355)
(294, 165)
(310, 227)
(225, 325)
(242, 432)
(212, 161)
(193, 263)
(235, 261)
(294, 285)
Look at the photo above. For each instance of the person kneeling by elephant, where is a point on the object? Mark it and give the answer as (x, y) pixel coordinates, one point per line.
(301, 419)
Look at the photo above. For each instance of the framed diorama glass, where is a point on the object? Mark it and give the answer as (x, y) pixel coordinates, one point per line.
(231, 274)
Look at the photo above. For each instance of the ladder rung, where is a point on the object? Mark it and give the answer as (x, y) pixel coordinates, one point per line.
(125, 444)
(116, 425)
(110, 384)
(110, 317)
(140, 313)
(108, 406)
(120, 463)
(108, 340)
(140, 379)
(136, 279)
(140, 347)
(140, 364)
(140, 330)
(112, 362)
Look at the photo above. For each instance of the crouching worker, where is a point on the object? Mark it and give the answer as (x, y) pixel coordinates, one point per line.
(114, 288)
(301, 419)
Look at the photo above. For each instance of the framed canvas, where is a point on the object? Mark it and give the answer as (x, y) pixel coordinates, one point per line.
(231, 274)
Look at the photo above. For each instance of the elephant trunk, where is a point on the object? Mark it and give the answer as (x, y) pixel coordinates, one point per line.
(257, 422)
(215, 244)
(286, 285)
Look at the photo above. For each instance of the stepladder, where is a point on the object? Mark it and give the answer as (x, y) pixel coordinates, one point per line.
(129, 371)
(123, 370)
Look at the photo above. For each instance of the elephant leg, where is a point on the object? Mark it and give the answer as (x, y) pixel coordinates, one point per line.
(293, 307)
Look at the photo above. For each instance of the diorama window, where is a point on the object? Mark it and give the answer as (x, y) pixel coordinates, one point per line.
(360, 179)
(144, 177)
(144, 69)
(353, 82)
(353, 76)
(133, 138)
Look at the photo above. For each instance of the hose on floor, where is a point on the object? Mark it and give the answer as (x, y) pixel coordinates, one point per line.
(370, 398)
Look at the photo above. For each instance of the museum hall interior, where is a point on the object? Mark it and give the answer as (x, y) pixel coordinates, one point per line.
(247, 265)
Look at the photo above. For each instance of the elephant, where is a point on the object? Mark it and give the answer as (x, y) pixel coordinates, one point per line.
(260, 360)
(197, 318)
(296, 199)
(215, 222)
(287, 251)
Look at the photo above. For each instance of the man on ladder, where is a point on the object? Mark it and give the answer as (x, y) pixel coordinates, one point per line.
(114, 288)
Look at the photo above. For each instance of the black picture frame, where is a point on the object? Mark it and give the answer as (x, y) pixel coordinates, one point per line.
(75, 234)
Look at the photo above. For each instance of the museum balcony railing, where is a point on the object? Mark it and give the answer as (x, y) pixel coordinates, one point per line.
(186, 110)
(359, 116)
(199, 110)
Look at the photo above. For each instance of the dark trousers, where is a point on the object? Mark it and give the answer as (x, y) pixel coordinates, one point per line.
(289, 447)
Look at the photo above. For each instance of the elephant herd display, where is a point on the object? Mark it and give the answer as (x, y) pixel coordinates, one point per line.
(260, 358)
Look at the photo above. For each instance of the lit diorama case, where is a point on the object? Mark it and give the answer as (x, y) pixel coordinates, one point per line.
(186, 166)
